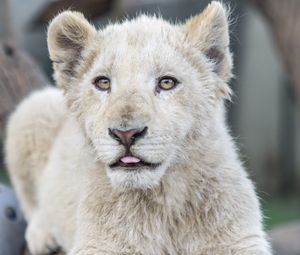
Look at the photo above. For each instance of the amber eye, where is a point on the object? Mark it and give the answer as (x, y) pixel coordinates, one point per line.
(167, 83)
(102, 83)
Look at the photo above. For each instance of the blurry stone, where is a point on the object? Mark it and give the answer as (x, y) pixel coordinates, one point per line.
(26, 252)
(286, 239)
(12, 223)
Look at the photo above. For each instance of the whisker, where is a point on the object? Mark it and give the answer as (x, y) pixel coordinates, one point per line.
(108, 145)
(150, 144)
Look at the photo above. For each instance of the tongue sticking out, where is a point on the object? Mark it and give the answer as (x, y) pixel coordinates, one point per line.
(130, 160)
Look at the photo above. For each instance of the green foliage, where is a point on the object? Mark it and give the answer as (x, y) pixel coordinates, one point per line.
(279, 210)
(3, 176)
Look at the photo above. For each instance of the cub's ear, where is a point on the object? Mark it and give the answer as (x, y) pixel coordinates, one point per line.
(208, 32)
(69, 34)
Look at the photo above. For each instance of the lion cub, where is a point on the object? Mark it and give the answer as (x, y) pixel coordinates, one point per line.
(132, 155)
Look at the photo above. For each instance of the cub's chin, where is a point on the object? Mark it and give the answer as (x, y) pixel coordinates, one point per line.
(131, 163)
(130, 172)
(139, 175)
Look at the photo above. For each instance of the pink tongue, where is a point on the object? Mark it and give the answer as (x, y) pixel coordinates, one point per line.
(128, 160)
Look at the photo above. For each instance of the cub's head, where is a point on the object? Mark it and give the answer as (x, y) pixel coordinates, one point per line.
(145, 91)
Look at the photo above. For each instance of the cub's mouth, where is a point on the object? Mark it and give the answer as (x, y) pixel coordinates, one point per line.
(131, 163)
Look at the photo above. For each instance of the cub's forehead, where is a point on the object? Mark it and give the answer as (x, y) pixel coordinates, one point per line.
(141, 32)
(144, 40)
(143, 28)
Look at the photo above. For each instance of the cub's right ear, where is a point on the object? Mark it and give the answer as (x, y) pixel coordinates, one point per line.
(69, 34)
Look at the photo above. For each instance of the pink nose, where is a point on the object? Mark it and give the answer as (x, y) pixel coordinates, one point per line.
(127, 137)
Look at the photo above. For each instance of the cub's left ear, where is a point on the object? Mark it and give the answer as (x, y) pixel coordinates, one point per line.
(209, 33)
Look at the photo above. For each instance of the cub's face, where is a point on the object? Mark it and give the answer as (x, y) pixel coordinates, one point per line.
(142, 89)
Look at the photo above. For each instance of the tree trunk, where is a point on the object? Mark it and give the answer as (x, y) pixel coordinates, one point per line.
(19, 75)
(284, 19)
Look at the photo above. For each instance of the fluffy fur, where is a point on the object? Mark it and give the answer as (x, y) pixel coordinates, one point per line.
(199, 199)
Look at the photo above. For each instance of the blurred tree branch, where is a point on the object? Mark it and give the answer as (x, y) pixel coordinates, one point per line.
(19, 75)
(284, 20)
(90, 8)
(6, 30)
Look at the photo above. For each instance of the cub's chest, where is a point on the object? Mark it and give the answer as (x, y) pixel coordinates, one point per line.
(151, 233)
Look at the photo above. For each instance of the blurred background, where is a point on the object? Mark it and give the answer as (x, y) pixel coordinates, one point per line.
(264, 116)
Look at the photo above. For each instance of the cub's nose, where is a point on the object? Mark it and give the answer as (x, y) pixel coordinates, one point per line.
(127, 137)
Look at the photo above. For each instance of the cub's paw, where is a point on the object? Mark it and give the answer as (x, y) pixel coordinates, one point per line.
(39, 239)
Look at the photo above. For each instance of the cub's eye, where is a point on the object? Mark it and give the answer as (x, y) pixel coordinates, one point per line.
(166, 83)
(102, 83)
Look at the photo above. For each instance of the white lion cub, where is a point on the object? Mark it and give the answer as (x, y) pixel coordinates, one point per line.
(132, 155)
